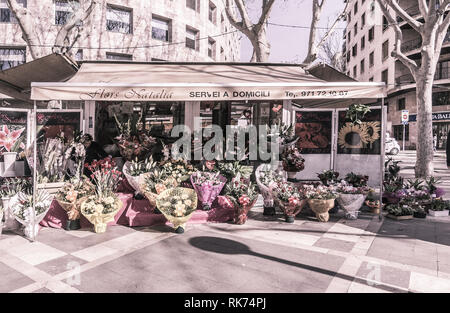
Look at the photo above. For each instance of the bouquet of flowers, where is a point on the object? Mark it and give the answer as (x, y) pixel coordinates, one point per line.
(154, 183)
(133, 141)
(9, 187)
(177, 205)
(22, 205)
(328, 177)
(267, 178)
(77, 153)
(242, 193)
(70, 197)
(285, 133)
(293, 160)
(179, 169)
(101, 208)
(208, 186)
(351, 198)
(290, 199)
(320, 200)
(54, 161)
(134, 170)
(356, 180)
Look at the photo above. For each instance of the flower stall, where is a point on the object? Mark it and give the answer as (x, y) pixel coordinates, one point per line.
(130, 109)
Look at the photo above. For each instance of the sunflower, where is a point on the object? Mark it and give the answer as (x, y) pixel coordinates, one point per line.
(373, 131)
(347, 134)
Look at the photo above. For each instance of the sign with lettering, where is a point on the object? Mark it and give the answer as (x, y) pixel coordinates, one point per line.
(439, 116)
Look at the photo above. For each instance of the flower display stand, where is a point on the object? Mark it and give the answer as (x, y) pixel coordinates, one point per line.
(51, 188)
(438, 213)
(400, 218)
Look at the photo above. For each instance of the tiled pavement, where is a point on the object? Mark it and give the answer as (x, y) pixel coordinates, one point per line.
(264, 255)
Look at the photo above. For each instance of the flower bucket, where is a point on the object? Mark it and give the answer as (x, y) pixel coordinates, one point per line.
(100, 220)
(10, 221)
(351, 203)
(177, 205)
(321, 208)
(291, 210)
(374, 206)
(292, 175)
(241, 211)
(73, 213)
(9, 161)
(207, 193)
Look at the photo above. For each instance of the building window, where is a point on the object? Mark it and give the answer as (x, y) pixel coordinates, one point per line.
(355, 29)
(349, 36)
(371, 79)
(192, 38)
(385, 23)
(10, 57)
(355, 71)
(362, 66)
(119, 20)
(348, 56)
(211, 48)
(355, 50)
(349, 16)
(212, 13)
(193, 4)
(384, 76)
(398, 132)
(372, 33)
(63, 10)
(355, 8)
(79, 55)
(401, 104)
(160, 28)
(363, 42)
(6, 16)
(385, 49)
(371, 59)
(441, 98)
(363, 20)
(119, 56)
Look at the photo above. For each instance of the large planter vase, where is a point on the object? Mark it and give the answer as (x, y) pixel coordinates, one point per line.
(207, 194)
(321, 208)
(10, 220)
(9, 161)
(240, 213)
(351, 203)
(291, 210)
(292, 175)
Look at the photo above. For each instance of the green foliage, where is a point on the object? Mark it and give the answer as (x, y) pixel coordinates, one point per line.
(356, 113)
(399, 209)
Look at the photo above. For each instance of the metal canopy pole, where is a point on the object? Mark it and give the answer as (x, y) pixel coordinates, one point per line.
(33, 220)
(382, 156)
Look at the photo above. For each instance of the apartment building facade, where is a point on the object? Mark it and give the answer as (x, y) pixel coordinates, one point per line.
(131, 30)
(368, 44)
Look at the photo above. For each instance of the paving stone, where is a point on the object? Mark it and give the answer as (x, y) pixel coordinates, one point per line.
(12, 279)
(335, 244)
(43, 290)
(384, 274)
(35, 253)
(61, 264)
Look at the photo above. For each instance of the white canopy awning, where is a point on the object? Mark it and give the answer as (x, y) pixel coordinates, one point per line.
(114, 81)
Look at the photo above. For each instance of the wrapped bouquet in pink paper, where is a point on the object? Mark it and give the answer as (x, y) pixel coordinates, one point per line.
(207, 186)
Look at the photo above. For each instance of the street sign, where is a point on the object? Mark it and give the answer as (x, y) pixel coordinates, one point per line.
(405, 116)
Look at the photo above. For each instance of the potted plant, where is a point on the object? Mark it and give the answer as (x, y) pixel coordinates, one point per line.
(177, 204)
(22, 204)
(293, 162)
(356, 180)
(70, 197)
(242, 193)
(328, 177)
(351, 198)
(400, 211)
(320, 200)
(431, 186)
(267, 178)
(286, 135)
(208, 186)
(290, 199)
(373, 203)
(101, 207)
(419, 211)
(8, 140)
(135, 170)
(439, 207)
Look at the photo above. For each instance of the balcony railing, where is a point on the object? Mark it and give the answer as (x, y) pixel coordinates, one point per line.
(441, 73)
(404, 79)
(412, 11)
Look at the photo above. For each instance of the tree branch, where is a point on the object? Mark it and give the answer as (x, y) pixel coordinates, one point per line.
(405, 16)
(423, 7)
(267, 7)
